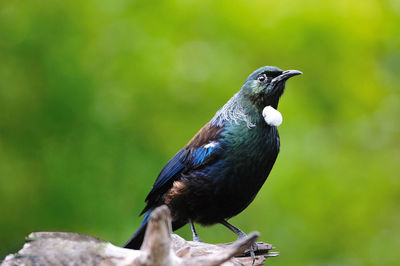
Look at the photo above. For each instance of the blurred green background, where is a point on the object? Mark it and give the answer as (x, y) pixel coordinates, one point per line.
(96, 96)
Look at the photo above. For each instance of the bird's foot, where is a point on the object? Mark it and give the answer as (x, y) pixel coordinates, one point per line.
(196, 238)
(253, 247)
(242, 235)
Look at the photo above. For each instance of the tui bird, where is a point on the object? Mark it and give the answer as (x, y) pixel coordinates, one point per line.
(219, 172)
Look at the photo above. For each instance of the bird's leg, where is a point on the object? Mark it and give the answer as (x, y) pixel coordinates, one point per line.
(195, 236)
(234, 229)
(241, 235)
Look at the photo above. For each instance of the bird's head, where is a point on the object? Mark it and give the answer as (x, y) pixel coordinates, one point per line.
(265, 86)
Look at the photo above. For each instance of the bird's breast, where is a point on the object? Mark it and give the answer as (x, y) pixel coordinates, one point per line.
(250, 155)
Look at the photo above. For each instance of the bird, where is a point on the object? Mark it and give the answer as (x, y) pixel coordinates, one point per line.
(218, 173)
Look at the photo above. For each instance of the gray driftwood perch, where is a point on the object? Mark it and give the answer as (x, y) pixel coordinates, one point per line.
(160, 247)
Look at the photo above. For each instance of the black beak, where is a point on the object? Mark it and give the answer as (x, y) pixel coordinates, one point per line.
(285, 75)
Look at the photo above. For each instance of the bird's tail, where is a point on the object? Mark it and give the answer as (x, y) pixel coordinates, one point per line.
(137, 239)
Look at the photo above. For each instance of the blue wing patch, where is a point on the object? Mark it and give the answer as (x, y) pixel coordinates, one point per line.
(201, 153)
(202, 150)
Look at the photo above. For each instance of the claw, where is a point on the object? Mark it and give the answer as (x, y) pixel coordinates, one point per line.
(196, 238)
(253, 247)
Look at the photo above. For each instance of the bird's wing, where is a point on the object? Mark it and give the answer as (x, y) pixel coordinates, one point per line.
(202, 150)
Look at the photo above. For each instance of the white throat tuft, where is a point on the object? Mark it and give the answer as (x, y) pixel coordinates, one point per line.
(272, 116)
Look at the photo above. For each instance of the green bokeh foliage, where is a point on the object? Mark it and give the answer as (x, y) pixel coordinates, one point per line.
(96, 96)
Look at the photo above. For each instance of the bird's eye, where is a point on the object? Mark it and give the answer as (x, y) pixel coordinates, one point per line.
(262, 77)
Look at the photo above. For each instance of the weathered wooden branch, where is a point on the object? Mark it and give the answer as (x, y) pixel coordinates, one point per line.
(160, 247)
